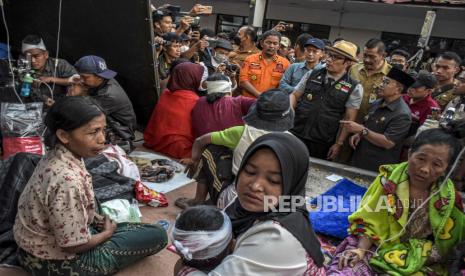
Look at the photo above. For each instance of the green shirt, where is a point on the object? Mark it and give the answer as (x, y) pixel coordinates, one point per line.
(229, 137)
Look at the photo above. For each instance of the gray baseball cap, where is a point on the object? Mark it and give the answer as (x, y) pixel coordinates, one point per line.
(426, 79)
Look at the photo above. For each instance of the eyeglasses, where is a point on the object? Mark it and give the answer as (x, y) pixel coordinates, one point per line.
(334, 57)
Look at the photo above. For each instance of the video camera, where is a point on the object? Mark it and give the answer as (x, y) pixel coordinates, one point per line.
(232, 67)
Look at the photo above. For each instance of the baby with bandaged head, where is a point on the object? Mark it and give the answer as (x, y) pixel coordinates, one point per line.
(202, 236)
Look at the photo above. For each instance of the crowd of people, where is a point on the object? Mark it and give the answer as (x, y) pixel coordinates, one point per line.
(244, 112)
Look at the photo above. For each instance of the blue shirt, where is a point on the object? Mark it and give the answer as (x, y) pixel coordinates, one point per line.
(294, 74)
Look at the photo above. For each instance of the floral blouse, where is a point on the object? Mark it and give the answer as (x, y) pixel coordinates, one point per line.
(56, 207)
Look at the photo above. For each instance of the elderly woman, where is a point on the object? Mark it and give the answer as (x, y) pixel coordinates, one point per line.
(410, 216)
(271, 243)
(57, 227)
(169, 130)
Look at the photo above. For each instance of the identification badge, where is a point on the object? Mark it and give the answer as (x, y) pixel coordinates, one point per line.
(279, 68)
(254, 65)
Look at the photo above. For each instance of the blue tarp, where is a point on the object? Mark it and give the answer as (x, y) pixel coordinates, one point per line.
(334, 206)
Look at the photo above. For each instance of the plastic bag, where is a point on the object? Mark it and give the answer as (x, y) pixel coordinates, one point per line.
(21, 126)
(126, 166)
(149, 196)
(120, 210)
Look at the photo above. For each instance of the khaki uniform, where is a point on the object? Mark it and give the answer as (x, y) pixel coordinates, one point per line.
(444, 94)
(239, 56)
(369, 83)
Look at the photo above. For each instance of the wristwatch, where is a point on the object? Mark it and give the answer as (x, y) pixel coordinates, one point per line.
(364, 132)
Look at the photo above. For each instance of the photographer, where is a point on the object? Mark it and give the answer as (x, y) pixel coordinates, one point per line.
(168, 50)
(216, 60)
(219, 54)
(45, 72)
(162, 22)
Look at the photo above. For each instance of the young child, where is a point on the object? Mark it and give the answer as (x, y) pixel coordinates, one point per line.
(202, 236)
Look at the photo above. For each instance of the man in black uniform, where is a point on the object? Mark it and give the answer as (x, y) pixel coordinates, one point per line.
(323, 98)
(102, 87)
(379, 140)
(44, 70)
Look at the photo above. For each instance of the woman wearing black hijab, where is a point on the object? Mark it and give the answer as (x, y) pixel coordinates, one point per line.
(272, 243)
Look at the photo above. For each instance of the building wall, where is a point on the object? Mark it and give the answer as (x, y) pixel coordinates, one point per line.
(357, 36)
(359, 21)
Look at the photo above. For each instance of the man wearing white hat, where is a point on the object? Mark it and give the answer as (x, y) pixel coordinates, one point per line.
(44, 69)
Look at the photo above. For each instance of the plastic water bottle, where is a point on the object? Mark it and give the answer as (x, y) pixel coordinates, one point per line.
(447, 116)
(26, 86)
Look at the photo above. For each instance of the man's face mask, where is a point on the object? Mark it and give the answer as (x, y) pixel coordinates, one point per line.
(221, 58)
(184, 48)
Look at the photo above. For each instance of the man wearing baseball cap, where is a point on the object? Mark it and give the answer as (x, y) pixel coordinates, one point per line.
(99, 80)
(419, 98)
(328, 96)
(379, 140)
(299, 72)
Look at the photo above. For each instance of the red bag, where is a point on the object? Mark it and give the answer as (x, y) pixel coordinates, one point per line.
(149, 196)
(13, 145)
(21, 126)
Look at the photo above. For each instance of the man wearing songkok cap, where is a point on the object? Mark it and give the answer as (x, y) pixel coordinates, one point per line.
(327, 96)
(379, 140)
(56, 73)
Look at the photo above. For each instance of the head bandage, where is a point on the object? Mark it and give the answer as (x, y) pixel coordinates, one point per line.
(202, 245)
(41, 46)
(221, 86)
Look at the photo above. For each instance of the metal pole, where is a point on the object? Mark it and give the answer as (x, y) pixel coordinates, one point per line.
(258, 14)
(251, 12)
(425, 35)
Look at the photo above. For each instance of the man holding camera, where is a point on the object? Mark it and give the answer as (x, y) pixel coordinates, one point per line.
(168, 51)
(56, 73)
(263, 71)
(218, 55)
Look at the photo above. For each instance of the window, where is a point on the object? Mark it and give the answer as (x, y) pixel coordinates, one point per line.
(230, 23)
(436, 45)
(316, 30)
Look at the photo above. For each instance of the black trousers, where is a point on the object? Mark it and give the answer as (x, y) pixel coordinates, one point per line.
(317, 150)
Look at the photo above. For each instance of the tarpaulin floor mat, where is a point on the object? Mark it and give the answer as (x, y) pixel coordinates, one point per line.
(330, 210)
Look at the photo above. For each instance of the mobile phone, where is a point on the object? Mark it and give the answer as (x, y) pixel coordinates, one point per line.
(206, 10)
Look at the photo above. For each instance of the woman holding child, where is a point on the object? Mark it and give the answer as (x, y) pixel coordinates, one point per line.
(408, 216)
(270, 243)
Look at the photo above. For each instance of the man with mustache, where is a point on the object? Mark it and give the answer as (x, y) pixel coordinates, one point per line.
(263, 71)
(370, 73)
